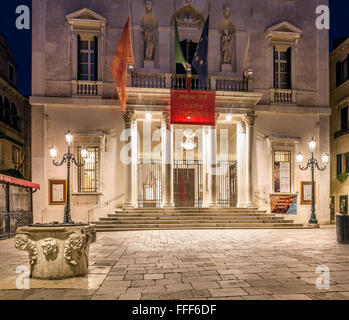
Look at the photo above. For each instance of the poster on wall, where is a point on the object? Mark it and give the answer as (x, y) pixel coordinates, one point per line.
(57, 192)
(282, 175)
(283, 204)
(306, 192)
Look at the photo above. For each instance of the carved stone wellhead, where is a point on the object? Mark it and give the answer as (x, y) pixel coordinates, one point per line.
(56, 252)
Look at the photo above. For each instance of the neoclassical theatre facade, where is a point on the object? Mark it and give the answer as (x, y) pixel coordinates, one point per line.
(268, 70)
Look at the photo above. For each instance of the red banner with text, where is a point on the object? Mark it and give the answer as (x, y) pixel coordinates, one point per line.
(193, 107)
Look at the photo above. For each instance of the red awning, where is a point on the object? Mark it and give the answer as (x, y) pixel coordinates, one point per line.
(19, 182)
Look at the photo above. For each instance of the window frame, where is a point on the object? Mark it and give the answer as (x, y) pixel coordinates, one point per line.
(279, 62)
(81, 170)
(91, 39)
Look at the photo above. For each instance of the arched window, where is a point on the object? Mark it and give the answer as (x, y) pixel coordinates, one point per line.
(7, 111)
(14, 115)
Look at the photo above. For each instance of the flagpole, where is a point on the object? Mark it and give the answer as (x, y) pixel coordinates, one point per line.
(132, 33)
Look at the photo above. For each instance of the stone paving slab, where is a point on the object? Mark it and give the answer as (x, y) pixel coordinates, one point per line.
(257, 264)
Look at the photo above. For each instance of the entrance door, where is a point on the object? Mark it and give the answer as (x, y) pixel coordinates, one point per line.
(184, 187)
(233, 185)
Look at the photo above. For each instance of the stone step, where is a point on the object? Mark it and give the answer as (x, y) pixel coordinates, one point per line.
(193, 225)
(208, 210)
(111, 215)
(103, 221)
(288, 226)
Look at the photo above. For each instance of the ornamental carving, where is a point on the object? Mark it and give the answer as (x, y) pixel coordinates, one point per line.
(250, 118)
(129, 116)
(73, 248)
(188, 16)
(26, 243)
(50, 249)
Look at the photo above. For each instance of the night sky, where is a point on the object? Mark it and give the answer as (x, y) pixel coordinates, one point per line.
(19, 41)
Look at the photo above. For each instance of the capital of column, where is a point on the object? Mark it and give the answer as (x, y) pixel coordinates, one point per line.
(129, 116)
(167, 118)
(250, 118)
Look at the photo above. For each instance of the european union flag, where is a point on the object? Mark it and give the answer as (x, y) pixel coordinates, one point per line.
(200, 58)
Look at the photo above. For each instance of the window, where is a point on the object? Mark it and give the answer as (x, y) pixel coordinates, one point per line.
(343, 204)
(282, 68)
(88, 175)
(282, 171)
(16, 155)
(87, 58)
(344, 119)
(339, 163)
(342, 71)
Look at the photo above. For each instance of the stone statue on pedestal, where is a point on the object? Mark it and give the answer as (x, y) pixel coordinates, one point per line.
(149, 26)
(227, 31)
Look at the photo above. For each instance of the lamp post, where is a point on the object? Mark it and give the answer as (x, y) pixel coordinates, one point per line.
(69, 158)
(312, 163)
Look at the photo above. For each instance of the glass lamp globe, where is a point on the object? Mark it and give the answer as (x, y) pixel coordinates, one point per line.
(312, 145)
(53, 152)
(84, 153)
(69, 138)
(299, 158)
(325, 158)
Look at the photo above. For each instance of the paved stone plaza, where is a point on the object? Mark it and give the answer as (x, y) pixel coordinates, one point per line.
(200, 264)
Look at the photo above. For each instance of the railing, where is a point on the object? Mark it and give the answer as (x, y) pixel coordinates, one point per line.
(179, 82)
(87, 88)
(16, 209)
(227, 183)
(283, 96)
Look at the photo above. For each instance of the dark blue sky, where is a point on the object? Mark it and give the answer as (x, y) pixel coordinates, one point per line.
(19, 41)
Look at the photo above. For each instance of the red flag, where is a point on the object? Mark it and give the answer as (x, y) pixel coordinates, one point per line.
(123, 57)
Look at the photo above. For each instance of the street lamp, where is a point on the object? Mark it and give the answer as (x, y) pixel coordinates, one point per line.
(312, 163)
(69, 158)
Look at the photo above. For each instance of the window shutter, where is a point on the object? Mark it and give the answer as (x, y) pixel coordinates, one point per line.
(96, 58)
(289, 69)
(339, 163)
(338, 73)
(275, 81)
(78, 60)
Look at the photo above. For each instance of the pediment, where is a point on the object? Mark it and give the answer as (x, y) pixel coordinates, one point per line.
(86, 16)
(285, 29)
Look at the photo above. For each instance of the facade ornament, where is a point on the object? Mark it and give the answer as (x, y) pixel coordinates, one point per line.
(26, 243)
(227, 32)
(188, 16)
(129, 116)
(216, 117)
(149, 26)
(250, 118)
(73, 248)
(167, 117)
(50, 249)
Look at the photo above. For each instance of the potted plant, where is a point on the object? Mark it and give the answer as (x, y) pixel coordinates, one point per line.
(342, 221)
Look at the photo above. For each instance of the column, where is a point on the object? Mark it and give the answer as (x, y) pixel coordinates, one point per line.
(249, 120)
(205, 161)
(241, 163)
(167, 161)
(212, 160)
(129, 118)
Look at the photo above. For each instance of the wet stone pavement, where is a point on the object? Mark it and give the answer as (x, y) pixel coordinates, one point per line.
(196, 264)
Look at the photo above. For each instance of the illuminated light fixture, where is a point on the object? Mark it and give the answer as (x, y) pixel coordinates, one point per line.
(312, 145)
(189, 143)
(189, 117)
(148, 116)
(229, 117)
(84, 153)
(53, 152)
(69, 138)
(325, 158)
(299, 158)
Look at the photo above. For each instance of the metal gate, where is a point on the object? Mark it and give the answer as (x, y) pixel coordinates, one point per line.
(149, 184)
(188, 183)
(227, 183)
